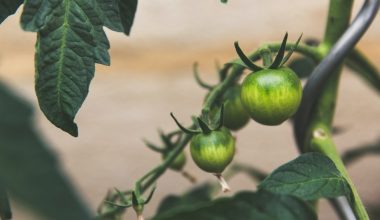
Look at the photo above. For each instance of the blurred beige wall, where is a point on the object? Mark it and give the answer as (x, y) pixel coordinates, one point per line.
(150, 76)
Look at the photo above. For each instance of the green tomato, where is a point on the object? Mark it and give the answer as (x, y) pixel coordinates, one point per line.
(235, 115)
(271, 95)
(212, 152)
(178, 163)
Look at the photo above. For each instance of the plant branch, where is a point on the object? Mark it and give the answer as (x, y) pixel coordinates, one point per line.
(147, 180)
(313, 121)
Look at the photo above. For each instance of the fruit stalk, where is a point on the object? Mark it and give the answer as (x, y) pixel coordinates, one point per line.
(223, 183)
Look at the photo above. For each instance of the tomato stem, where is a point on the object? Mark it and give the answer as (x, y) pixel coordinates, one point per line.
(310, 127)
(223, 183)
(188, 176)
(140, 217)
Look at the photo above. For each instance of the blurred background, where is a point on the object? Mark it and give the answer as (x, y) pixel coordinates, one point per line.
(151, 75)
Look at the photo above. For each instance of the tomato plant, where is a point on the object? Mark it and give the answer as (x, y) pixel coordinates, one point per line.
(71, 40)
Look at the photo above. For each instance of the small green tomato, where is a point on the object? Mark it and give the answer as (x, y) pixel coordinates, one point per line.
(212, 152)
(235, 115)
(178, 163)
(271, 96)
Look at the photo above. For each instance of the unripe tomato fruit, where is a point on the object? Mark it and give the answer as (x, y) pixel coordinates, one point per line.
(271, 95)
(178, 163)
(212, 152)
(235, 115)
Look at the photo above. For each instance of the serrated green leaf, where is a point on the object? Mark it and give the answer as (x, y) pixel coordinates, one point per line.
(310, 176)
(8, 7)
(361, 65)
(28, 168)
(118, 15)
(70, 41)
(244, 206)
(127, 14)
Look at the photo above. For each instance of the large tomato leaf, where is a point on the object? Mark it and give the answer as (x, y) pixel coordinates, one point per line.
(310, 176)
(118, 15)
(70, 41)
(244, 206)
(29, 170)
(8, 7)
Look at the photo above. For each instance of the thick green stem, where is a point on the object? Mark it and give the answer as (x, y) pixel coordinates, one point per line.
(338, 19)
(319, 136)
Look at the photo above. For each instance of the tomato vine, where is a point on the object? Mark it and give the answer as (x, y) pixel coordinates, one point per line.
(71, 40)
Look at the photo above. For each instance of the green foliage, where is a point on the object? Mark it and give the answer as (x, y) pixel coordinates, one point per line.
(28, 168)
(311, 176)
(70, 41)
(5, 206)
(245, 205)
(8, 7)
(201, 193)
(118, 15)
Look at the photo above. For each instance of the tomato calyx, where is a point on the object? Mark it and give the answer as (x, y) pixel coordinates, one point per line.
(170, 141)
(278, 62)
(204, 126)
(134, 199)
(198, 79)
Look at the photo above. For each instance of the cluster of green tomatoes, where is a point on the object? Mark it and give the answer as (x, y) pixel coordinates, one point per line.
(269, 95)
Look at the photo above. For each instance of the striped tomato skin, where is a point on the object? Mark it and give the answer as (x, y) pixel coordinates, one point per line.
(271, 96)
(213, 152)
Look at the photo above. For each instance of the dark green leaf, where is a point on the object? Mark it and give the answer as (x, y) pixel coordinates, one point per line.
(302, 66)
(127, 13)
(364, 68)
(118, 15)
(28, 168)
(310, 176)
(5, 207)
(8, 7)
(260, 205)
(70, 40)
(224, 1)
(201, 193)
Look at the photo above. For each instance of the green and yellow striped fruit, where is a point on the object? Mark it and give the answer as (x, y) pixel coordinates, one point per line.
(235, 115)
(271, 96)
(178, 163)
(212, 152)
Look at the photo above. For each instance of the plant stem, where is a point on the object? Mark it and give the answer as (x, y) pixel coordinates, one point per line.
(318, 135)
